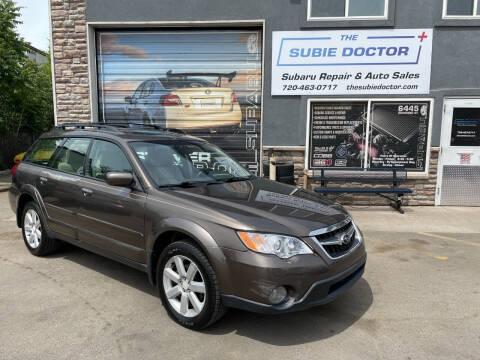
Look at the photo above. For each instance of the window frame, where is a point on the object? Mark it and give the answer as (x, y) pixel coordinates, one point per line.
(410, 174)
(347, 17)
(461, 17)
(87, 156)
(32, 147)
(56, 154)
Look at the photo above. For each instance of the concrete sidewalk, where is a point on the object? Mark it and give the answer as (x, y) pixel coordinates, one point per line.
(439, 219)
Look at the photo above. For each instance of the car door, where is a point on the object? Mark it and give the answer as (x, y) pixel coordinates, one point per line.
(111, 217)
(59, 185)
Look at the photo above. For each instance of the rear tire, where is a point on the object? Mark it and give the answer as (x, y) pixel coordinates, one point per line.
(34, 233)
(188, 286)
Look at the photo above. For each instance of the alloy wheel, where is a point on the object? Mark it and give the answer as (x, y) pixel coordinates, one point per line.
(184, 286)
(32, 228)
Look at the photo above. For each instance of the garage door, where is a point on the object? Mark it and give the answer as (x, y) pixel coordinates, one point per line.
(205, 82)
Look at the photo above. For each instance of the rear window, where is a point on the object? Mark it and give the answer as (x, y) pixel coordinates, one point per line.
(171, 84)
(42, 151)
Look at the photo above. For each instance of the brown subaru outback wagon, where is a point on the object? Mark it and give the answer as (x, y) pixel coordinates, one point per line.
(208, 234)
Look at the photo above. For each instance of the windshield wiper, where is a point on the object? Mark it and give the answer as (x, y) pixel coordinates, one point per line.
(234, 179)
(187, 184)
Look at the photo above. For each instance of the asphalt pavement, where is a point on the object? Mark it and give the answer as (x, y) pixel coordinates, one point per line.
(419, 299)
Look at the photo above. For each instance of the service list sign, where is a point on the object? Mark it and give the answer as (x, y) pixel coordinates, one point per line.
(351, 62)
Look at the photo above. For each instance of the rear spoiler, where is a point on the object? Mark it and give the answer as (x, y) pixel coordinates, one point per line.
(229, 76)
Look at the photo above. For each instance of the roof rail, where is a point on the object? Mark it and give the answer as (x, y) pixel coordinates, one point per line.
(100, 125)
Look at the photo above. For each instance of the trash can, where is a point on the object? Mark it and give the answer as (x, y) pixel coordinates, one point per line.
(284, 171)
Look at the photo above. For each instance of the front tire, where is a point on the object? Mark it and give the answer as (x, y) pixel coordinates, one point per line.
(34, 233)
(188, 286)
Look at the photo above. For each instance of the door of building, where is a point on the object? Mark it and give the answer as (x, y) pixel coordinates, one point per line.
(207, 83)
(459, 162)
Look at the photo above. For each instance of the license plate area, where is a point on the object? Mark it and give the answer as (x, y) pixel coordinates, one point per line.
(210, 103)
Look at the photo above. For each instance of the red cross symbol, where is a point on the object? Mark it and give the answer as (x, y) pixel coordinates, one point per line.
(423, 36)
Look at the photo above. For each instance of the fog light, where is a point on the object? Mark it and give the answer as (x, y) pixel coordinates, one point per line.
(278, 295)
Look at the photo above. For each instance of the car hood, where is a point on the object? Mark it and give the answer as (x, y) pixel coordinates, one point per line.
(263, 205)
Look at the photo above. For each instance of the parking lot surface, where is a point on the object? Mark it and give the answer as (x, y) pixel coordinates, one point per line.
(419, 299)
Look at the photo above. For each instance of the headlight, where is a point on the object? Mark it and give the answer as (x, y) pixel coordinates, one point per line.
(282, 246)
(358, 233)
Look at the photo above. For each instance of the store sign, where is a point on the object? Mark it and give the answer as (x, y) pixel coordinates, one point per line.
(348, 62)
(345, 135)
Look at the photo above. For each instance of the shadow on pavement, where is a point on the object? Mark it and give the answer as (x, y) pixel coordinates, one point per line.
(281, 330)
(114, 270)
(300, 327)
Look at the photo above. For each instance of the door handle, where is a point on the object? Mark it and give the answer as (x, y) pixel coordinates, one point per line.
(87, 192)
(43, 180)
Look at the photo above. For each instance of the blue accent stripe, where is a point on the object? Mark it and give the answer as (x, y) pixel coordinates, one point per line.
(283, 39)
(390, 37)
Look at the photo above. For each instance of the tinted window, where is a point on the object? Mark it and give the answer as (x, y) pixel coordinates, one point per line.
(139, 90)
(460, 7)
(71, 155)
(465, 127)
(366, 8)
(105, 157)
(336, 8)
(327, 8)
(42, 151)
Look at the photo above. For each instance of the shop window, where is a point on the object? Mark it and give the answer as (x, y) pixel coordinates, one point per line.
(347, 9)
(360, 134)
(461, 9)
(465, 127)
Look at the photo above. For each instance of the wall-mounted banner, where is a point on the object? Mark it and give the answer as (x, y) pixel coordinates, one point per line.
(348, 62)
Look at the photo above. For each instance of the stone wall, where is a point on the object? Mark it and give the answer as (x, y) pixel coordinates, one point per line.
(423, 189)
(70, 59)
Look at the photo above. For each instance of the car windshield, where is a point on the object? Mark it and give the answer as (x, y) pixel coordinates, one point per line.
(187, 163)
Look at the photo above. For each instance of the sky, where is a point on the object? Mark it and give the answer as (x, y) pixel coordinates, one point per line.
(35, 28)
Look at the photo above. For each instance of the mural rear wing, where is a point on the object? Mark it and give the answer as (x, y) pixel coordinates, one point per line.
(219, 76)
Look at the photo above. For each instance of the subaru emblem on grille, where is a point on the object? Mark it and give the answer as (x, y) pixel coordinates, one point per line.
(345, 238)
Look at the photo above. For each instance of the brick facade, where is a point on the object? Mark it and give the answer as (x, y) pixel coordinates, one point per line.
(70, 57)
(423, 189)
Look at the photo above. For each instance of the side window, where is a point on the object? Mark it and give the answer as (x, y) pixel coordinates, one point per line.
(71, 155)
(139, 90)
(42, 151)
(105, 157)
(147, 89)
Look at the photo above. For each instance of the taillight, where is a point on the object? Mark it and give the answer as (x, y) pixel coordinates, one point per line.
(171, 100)
(234, 98)
(14, 169)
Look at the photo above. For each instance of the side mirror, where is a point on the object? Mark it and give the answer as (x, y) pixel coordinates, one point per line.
(128, 99)
(119, 178)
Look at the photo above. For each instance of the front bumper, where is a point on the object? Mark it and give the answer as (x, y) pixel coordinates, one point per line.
(321, 292)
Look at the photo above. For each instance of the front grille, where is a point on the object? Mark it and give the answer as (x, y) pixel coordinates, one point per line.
(329, 235)
(337, 250)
